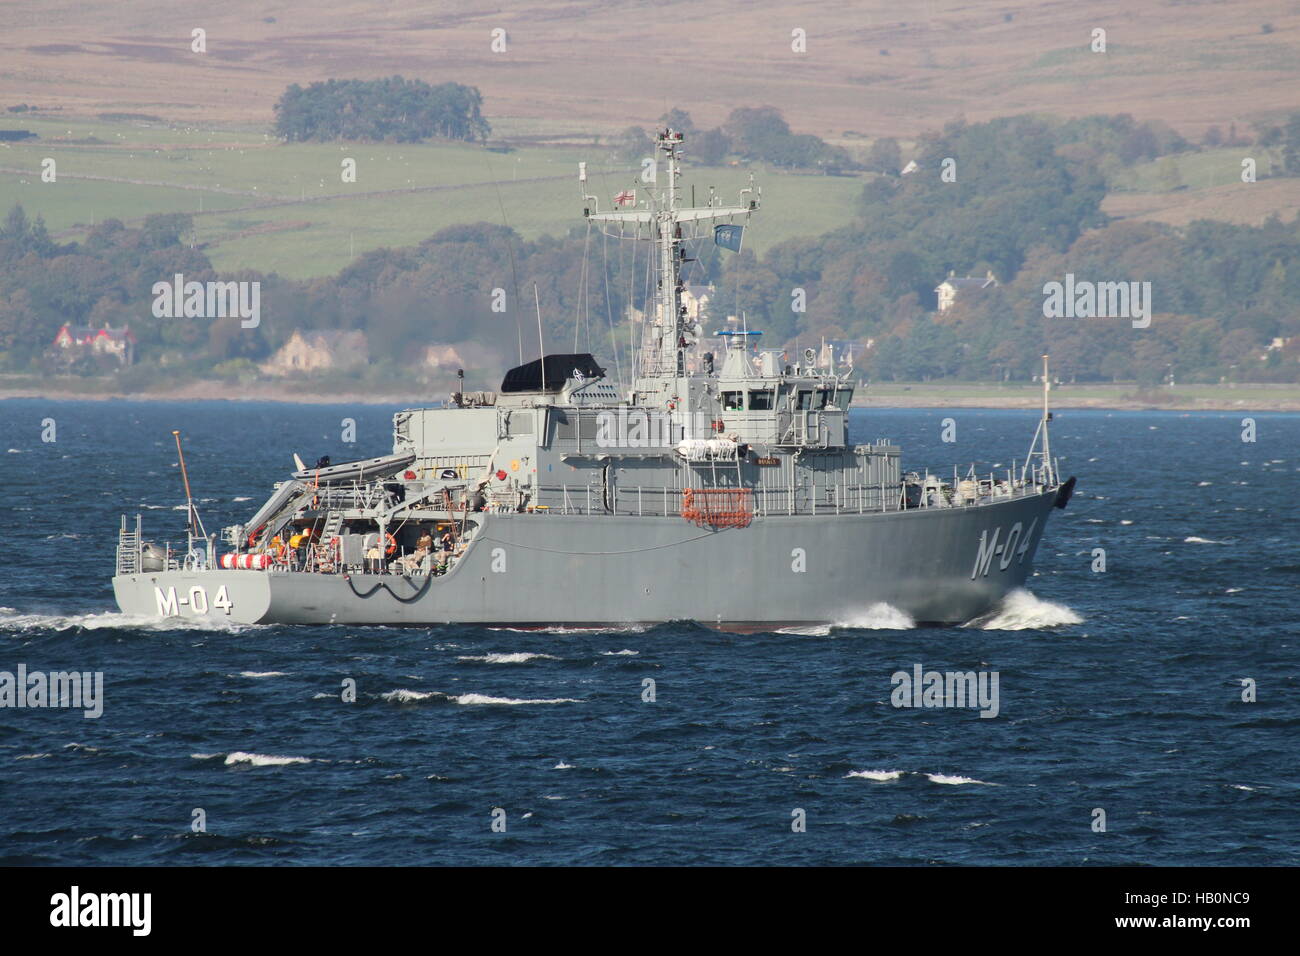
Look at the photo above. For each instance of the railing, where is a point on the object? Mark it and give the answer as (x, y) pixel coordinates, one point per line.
(811, 498)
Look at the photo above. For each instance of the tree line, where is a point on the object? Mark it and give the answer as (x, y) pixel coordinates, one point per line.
(1024, 204)
(392, 109)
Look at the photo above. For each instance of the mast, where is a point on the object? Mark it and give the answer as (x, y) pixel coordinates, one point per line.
(1047, 417)
(671, 335)
(1042, 443)
(670, 226)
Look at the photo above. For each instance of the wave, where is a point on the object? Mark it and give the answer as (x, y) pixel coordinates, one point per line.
(880, 616)
(404, 696)
(880, 776)
(563, 766)
(953, 780)
(472, 699)
(885, 776)
(112, 620)
(623, 653)
(263, 674)
(520, 657)
(1193, 539)
(262, 760)
(562, 629)
(1022, 611)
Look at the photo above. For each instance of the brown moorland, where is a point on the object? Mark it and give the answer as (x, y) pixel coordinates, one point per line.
(872, 67)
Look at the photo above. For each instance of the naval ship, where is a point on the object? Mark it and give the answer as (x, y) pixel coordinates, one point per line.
(722, 486)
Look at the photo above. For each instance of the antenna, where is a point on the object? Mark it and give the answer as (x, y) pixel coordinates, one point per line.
(1045, 446)
(1047, 417)
(541, 351)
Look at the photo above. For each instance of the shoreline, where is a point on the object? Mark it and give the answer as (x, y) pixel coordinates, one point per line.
(1208, 398)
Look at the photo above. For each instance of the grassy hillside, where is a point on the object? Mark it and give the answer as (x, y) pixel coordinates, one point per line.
(260, 204)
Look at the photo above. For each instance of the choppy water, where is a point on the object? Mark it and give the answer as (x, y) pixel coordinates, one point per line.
(1118, 690)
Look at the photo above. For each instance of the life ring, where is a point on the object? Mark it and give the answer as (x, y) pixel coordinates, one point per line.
(391, 543)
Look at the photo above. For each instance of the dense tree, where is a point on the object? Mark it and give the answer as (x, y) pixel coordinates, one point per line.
(392, 109)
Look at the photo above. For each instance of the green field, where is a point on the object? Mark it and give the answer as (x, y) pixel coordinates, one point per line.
(263, 205)
(1201, 169)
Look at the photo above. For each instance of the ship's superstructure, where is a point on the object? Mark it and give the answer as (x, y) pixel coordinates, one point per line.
(723, 486)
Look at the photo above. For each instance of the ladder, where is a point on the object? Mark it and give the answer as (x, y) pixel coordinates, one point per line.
(128, 548)
(333, 525)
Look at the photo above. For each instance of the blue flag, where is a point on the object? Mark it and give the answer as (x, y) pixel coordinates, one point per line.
(729, 237)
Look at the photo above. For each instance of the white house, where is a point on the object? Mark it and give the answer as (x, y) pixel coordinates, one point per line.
(954, 286)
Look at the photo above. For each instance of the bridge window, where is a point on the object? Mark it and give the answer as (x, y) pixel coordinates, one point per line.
(760, 401)
(733, 401)
(805, 400)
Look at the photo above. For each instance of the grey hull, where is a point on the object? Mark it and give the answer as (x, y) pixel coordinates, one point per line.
(941, 565)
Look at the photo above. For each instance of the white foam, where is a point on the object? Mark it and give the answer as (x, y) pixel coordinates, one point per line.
(242, 498)
(563, 766)
(471, 699)
(1022, 611)
(623, 653)
(955, 781)
(112, 620)
(1193, 539)
(262, 760)
(263, 674)
(404, 696)
(521, 657)
(1204, 484)
(880, 616)
(560, 629)
(880, 776)
(807, 630)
